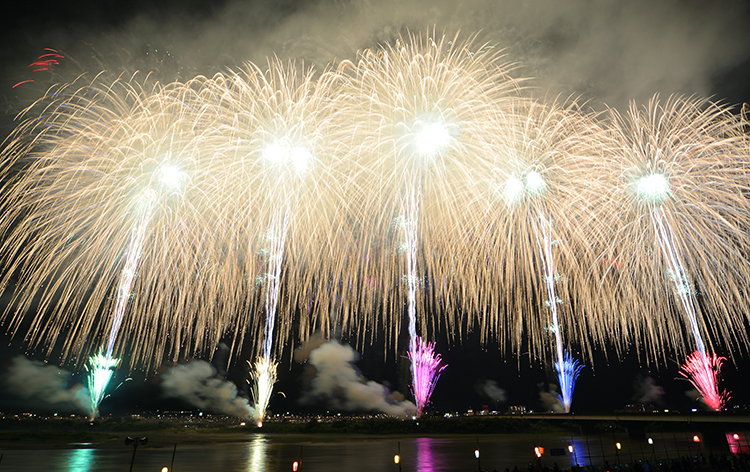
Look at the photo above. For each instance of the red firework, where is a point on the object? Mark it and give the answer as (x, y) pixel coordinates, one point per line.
(46, 61)
(702, 370)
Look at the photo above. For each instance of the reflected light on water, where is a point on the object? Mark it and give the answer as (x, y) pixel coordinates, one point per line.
(258, 453)
(737, 444)
(580, 453)
(425, 455)
(80, 460)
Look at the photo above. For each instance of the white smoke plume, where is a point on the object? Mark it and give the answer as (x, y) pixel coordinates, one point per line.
(197, 383)
(695, 395)
(551, 399)
(609, 51)
(646, 390)
(338, 383)
(45, 384)
(490, 389)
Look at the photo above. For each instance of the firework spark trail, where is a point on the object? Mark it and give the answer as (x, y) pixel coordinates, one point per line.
(678, 171)
(426, 367)
(125, 284)
(563, 365)
(568, 370)
(101, 366)
(411, 223)
(541, 185)
(422, 118)
(277, 238)
(682, 285)
(276, 140)
(97, 216)
(703, 371)
(425, 363)
(264, 370)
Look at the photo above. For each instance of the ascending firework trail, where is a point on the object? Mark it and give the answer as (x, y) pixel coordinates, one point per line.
(679, 181)
(264, 369)
(276, 138)
(99, 177)
(542, 173)
(101, 366)
(425, 362)
(423, 108)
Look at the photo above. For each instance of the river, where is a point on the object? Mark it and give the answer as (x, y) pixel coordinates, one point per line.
(319, 453)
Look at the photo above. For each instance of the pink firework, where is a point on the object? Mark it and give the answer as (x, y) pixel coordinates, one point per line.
(703, 372)
(425, 371)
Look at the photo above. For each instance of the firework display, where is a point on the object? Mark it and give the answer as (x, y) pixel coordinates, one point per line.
(677, 209)
(146, 223)
(419, 133)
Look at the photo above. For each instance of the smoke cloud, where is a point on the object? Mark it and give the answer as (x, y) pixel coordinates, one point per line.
(338, 383)
(490, 389)
(551, 399)
(197, 383)
(695, 395)
(45, 385)
(612, 52)
(646, 390)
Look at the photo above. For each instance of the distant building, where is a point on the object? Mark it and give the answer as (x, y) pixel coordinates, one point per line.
(516, 410)
(640, 408)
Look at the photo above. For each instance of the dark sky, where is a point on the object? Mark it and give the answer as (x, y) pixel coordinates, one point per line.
(606, 52)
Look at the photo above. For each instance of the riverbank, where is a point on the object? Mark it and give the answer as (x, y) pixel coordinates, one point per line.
(61, 433)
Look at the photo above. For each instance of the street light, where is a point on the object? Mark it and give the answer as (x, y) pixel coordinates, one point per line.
(397, 457)
(135, 442)
(653, 449)
(618, 446)
(479, 462)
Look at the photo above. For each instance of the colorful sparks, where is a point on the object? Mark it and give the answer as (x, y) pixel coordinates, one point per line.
(150, 222)
(264, 377)
(45, 62)
(567, 373)
(703, 372)
(426, 366)
(101, 369)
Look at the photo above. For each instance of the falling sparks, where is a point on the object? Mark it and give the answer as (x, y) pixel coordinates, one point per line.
(151, 222)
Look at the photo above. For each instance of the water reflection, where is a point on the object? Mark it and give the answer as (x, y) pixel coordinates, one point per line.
(738, 443)
(258, 454)
(425, 458)
(80, 460)
(577, 451)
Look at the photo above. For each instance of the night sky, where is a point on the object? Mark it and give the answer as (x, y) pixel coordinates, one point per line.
(601, 52)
